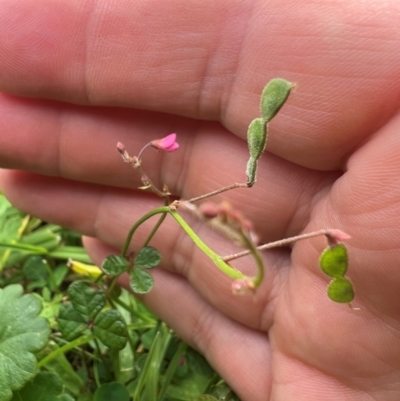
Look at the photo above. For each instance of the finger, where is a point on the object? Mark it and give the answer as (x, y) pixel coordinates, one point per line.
(80, 144)
(231, 348)
(364, 203)
(368, 196)
(118, 56)
(284, 192)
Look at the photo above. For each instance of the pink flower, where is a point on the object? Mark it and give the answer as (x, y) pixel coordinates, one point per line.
(167, 143)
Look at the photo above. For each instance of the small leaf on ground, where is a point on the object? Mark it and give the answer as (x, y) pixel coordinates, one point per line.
(111, 392)
(114, 265)
(86, 300)
(35, 268)
(110, 328)
(23, 333)
(140, 281)
(197, 363)
(334, 261)
(70, 322)
(46, 386)
(147, 258)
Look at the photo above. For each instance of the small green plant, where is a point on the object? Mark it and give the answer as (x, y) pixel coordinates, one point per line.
(66, 338)
(223, 217)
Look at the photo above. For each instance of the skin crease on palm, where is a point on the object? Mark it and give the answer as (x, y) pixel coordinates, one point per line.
(77, 77)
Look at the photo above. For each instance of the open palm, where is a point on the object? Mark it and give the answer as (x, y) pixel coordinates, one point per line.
(79, 76)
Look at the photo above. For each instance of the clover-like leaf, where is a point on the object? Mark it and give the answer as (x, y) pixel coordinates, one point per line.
(70, 322)
(86, 300)
(22, 333)
(340, 290)
(273, 97)
(46, 386)
(140, 281)
(147, 258)
(115, 265)
(334, 261)
(111, 391)
(110, 328)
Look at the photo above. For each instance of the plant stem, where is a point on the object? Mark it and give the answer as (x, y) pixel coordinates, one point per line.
(275, 244)
(73, 344)
(150, 183)
(133, 311)
(101, 356)
(159, 222)
(163, 209)
(139, 157)
(24, 247)
(257, 257)
(218, 191)
(217, 259)
(173, 365)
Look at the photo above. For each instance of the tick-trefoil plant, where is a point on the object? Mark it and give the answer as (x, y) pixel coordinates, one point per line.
(101, 328)
(224, 218)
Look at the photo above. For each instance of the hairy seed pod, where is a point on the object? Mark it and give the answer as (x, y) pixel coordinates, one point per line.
(257, 138)
(274, 97)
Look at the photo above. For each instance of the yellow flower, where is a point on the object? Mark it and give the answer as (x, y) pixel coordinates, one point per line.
(84, 269)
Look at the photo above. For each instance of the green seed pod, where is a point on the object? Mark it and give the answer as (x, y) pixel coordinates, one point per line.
(340, 290)
(334, 261)
(257, 138)
(274, 97)
(251, 171)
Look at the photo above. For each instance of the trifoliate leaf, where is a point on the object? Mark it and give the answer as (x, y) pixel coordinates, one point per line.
(110, 328)
(257, 138)
(115, 265)
(274, 97)
(340, 290)
(22, 333)
(147, 258)
(70, 322)
(140, 281)
(111, 391)
(334, 261)
(86, 300)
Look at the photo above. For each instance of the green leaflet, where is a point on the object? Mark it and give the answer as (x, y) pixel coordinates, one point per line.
(22, 334)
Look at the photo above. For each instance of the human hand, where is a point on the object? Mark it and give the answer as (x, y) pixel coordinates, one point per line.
(97, 73)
